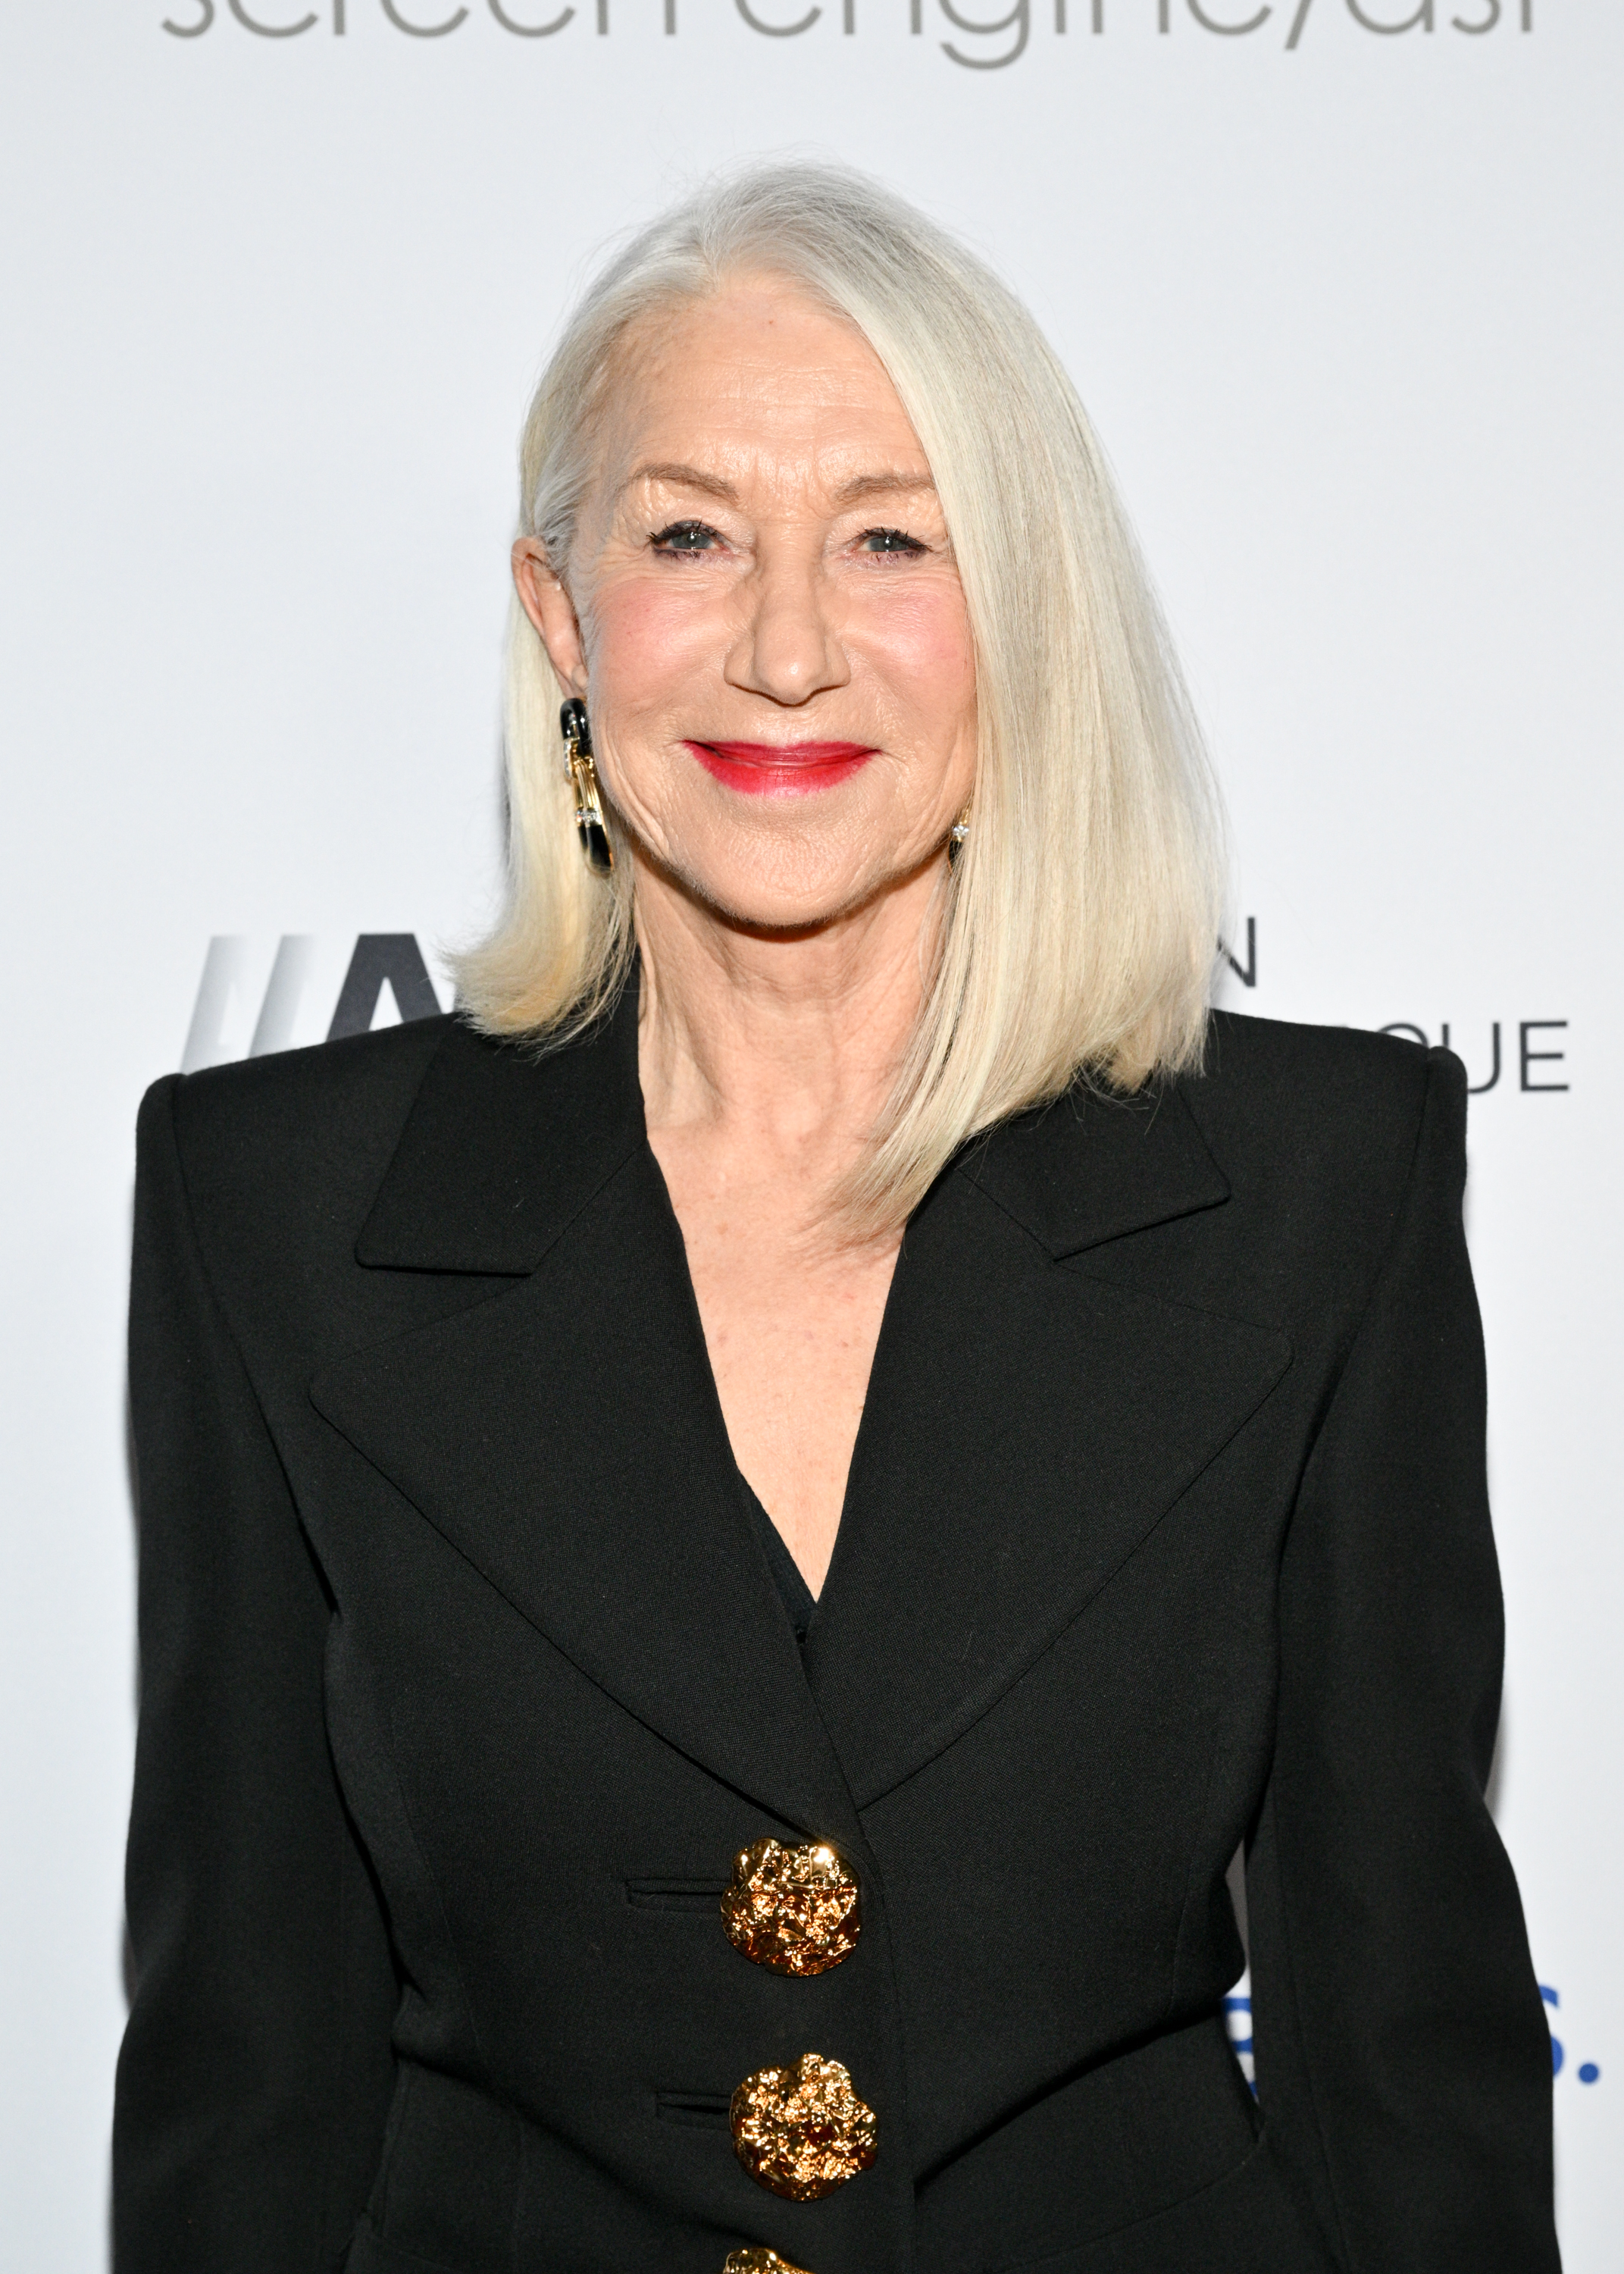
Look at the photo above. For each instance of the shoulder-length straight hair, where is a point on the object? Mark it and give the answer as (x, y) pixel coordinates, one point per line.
(1078, 929)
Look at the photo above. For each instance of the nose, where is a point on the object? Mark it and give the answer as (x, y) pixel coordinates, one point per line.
(787, 649)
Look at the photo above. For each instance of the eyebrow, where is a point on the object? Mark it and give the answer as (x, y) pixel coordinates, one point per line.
(886, 485)
(889, 484)
(687, 477)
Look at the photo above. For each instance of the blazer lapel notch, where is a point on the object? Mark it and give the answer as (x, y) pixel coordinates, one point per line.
(1094, 1167)
(504, 1149)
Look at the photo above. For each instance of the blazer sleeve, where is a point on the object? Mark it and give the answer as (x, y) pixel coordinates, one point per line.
(1403, 2062)
(256, 2067)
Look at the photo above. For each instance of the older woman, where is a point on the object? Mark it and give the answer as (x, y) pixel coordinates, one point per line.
(734, 1537)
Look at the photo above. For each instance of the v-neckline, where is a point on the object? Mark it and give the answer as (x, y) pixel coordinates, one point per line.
(777, 1546)
(800, 1603)
(1027, 1421)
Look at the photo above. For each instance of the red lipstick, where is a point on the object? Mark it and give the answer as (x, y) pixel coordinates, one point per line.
(781, 769)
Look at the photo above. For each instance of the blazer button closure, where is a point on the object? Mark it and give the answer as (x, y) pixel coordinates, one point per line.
(759, 2261)
(791, 1910)
(802, 2132)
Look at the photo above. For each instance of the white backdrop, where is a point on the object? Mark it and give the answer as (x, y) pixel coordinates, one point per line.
(1344, 303)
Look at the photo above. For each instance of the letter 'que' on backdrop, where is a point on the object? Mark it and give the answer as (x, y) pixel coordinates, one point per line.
(1338, 282)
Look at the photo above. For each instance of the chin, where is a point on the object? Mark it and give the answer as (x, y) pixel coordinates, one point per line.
(751, 909)
(774, 871)
(741, 894)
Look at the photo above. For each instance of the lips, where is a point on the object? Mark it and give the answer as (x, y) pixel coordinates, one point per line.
(781, 769)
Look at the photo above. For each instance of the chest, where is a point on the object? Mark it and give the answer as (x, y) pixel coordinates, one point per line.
(790, 1333)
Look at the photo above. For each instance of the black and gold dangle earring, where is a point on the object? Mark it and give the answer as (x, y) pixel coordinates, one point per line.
(590, 824)
(956, 837)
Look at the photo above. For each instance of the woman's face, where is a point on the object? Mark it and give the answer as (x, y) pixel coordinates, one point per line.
(762, 614)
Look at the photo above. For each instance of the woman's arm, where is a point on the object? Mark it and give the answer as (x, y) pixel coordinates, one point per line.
(256, 2070)
(1403, 2062)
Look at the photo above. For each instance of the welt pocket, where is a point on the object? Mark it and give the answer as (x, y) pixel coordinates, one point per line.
(704, 2111)
(675, 1894)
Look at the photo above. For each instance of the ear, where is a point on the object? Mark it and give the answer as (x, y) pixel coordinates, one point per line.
(545, 601)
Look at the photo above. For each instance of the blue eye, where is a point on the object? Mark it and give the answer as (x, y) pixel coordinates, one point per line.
(890, 541)
(685, 536)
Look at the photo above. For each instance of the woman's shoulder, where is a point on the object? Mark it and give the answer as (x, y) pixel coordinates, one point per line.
(431, 1145)
(1335, 1110)
(289, 1148)
(297, 1108)
(1279, 1067)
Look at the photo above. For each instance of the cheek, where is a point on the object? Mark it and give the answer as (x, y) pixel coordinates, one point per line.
(920, 646)
(646, 634)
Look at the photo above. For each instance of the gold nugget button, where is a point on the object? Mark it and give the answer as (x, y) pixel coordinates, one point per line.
(793, 1909)
(801, 2131)
(759, 2261)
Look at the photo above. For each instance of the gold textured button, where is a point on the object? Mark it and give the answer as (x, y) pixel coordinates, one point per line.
(793, 1909)
(759, 2261)
(801, 2131)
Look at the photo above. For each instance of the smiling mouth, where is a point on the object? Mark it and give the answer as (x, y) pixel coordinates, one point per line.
(781, 769)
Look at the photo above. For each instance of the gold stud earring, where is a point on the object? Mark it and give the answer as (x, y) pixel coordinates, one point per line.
(956, 837)
(589, 825)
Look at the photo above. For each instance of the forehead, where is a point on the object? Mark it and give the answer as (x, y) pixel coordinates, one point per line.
(759, 373)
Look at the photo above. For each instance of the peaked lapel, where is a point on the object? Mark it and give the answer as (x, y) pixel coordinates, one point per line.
(1095, 1166)
(1026, 1426)
(565, 1436)
(503, 1148)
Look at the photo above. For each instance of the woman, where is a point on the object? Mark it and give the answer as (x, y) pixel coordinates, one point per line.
(833, 1360)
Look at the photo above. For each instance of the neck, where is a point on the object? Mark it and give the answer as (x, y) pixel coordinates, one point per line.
(788, 1044)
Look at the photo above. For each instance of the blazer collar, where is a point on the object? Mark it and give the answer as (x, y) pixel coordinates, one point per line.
(503, 1148)
(1095, 1166)
(565, 1436)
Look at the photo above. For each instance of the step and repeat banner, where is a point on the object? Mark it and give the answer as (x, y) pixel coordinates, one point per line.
(1338, 280)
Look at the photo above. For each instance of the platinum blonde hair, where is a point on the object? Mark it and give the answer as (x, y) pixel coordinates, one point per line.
(1080, 926)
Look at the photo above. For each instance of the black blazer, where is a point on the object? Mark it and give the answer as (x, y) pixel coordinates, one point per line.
(463, 1678)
